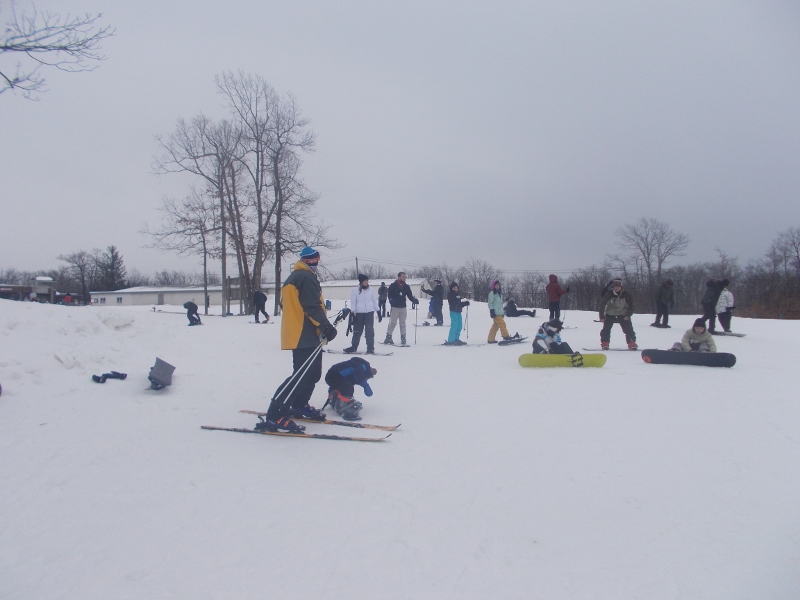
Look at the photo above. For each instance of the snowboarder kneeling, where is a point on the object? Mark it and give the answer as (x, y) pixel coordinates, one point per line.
(696, 339)
(191, 313)
(548, 339)
(342, 379)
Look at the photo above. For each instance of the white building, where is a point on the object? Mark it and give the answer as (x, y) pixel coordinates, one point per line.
(158, 296)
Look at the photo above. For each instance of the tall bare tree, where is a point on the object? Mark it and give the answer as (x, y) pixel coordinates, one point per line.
(43, 39)
(654, 242)
(190, 226)
(80, 264)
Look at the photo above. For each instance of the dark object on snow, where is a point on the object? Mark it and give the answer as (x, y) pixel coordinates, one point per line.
(700, 359)
(160, 374)
(112, 375)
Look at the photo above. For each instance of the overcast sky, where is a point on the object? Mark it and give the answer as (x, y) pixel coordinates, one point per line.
(522, 133)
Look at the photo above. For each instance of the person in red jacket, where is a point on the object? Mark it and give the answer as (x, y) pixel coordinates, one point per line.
(554, 293)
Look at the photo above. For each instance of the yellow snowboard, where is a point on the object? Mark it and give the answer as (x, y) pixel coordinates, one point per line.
(562, 360)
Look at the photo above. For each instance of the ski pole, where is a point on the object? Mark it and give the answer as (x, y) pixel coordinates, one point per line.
(416, 315)
(466, 324)
(298, 375)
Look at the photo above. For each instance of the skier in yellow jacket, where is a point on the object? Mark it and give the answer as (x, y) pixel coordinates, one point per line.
(304, 327)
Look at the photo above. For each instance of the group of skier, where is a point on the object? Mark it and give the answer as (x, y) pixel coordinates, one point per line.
(305, 328)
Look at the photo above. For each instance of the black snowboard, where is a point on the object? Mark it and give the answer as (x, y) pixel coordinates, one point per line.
(700, 359)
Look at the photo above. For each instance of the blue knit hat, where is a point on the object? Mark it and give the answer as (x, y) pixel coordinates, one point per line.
(309, 255)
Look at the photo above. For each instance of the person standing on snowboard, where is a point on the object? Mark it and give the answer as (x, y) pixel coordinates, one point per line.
(554, 293)
(363, 306)
(725, 306)
(495, 302)
(665, 300)
(260, 305)
(616, 306)
(709, 303)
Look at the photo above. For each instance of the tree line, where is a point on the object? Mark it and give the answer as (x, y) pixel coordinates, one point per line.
(101, 271)
(765, 287)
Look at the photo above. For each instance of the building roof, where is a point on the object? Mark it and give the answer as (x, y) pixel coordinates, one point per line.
(354, 282)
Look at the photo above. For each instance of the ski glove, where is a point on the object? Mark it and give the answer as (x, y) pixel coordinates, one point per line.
(329, 331)
(466, 303)
(492, 313)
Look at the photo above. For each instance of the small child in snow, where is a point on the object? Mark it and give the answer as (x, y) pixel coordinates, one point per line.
(342, 379)
(696, 339)
(548, 339)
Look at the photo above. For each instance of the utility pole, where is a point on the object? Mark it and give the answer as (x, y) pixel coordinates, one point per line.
(356, 267)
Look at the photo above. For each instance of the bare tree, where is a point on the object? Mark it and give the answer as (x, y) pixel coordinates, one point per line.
(80, 263)
(201, 148)
(191, 226)
(477, 276)
(42, 39)
(654, 242)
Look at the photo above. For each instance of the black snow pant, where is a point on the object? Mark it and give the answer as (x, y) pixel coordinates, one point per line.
(725, 320)
(364, 323)
(340, 384)
(382, 307)
(521, 313)
(194, 318)
(261, 308)
(285, 399)
(662, 312)
(710, 315)
(437, 313)
(627, 328)
(555, 310)
(562, 348)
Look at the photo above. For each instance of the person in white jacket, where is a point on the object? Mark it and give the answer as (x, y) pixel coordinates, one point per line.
(363, 305)
(725, 306)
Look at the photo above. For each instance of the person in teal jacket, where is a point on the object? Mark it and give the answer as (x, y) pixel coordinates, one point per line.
(495, 302)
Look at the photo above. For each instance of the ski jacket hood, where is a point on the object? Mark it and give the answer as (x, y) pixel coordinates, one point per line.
(552, 278)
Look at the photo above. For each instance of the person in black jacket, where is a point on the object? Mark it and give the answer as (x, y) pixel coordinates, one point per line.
(397, 294)
(709, 303)
(511, 310)
(260, 305)
(437, 300)
(456, 305)
(191, 313)
(665, 300)
(382, 291)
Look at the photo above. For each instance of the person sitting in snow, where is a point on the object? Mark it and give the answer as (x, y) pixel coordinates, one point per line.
(511, 310)
(342, 379)
(548, 339)
(696, 339)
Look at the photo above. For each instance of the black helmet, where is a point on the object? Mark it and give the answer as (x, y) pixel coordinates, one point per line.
(555, 325)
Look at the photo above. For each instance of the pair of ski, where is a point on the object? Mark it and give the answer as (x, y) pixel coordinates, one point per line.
(359, 353)
(319, 436)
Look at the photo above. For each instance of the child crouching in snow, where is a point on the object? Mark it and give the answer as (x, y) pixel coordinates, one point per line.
(342, 379)
(696, 339)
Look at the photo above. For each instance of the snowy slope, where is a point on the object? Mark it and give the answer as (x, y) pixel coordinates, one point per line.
(630, 481)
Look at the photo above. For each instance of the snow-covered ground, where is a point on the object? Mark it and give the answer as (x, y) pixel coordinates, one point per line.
(630, 481)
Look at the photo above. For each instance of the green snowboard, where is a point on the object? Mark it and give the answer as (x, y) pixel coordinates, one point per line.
(562, 360)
